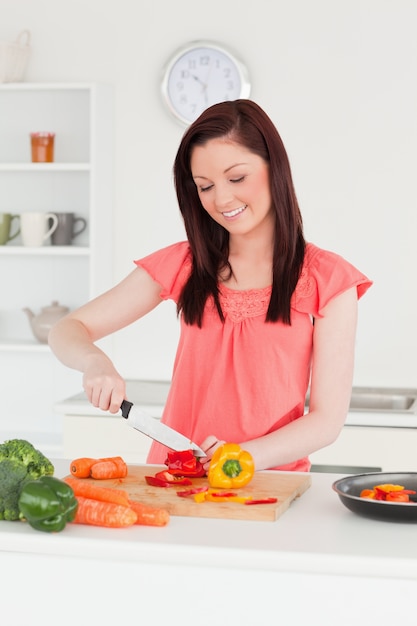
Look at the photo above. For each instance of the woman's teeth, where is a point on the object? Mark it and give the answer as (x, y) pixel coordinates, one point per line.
(235, 212)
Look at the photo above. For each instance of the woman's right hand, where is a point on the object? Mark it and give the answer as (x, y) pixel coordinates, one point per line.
(103, 385)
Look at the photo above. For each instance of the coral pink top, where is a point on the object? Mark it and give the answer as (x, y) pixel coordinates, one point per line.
(244, 378)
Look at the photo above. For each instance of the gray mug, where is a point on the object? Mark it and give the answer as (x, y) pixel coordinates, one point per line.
(69, 227)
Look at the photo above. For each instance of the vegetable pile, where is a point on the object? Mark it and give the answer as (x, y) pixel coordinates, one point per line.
(20, 462)
(388, 493)
(29, 491)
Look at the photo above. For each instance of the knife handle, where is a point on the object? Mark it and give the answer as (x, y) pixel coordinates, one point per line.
(125, 407)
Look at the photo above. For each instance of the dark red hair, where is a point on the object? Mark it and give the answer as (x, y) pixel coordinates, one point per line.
(245, 123)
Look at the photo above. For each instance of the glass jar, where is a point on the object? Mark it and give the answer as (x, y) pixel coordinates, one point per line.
(42, 147)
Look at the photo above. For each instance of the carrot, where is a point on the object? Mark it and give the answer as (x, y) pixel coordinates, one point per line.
(103, 470)
(94, 492)
(81, 468)
(148, 515)
(120, 464)
(106, 514)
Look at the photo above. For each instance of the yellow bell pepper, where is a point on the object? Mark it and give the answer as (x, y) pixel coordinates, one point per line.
(230, 467)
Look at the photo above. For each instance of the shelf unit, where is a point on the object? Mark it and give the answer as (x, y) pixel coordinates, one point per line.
(79, 180)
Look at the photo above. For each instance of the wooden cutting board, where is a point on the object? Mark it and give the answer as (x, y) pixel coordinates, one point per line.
(286, 486)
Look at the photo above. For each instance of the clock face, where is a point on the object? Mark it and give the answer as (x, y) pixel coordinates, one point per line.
(200, 75)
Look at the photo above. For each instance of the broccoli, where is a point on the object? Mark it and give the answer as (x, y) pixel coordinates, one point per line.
(20, 462)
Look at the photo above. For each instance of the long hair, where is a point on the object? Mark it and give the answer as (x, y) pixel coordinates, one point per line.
(245, 123)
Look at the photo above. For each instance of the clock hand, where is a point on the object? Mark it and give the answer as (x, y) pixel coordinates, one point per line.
(207, 80)
(198, 80)
(204, 85)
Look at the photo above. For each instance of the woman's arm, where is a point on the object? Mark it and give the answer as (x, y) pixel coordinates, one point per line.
(72, 339)
(330, 391)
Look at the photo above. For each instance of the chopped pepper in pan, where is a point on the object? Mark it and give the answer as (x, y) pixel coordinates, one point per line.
(388, 493)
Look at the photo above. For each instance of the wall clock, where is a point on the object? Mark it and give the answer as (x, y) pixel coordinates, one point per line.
(199, 74)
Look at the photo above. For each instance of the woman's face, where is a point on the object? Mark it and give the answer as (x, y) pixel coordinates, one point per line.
(233, 185)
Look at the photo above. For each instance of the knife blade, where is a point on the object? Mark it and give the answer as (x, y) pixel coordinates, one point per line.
(155, 429)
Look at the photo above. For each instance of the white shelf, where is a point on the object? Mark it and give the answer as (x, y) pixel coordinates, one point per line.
(17, 345)
(44, 167)
(10, 249)
(26, 86)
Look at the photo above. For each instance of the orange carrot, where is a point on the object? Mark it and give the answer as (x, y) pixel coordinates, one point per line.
(106, 514)
(148, 515)
(103, 470)
(81, 468)
(94, 492)
(120, 464)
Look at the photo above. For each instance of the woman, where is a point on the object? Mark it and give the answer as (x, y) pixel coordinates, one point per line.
(263, 313)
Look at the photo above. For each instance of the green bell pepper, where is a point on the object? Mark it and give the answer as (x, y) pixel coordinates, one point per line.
(48, 504)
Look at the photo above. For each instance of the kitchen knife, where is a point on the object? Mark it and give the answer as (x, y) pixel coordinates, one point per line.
(154, 428)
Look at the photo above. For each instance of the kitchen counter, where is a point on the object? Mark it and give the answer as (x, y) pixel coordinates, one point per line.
(318, 563)
(151, 395)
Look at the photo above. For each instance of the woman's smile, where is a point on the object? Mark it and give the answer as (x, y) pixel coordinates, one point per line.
(231, 214)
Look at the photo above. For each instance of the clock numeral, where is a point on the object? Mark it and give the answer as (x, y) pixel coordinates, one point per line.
(192, 64)
(205, 59)
(230, 85)
(226, 72)
(185, 74)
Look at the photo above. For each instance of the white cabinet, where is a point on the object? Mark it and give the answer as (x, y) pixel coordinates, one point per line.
(80, 181)
(370, 448)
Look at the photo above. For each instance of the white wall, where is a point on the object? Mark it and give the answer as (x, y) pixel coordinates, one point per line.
(339, 78)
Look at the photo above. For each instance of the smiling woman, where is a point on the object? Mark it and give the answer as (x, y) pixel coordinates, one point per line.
(233, 187)
(262, 311)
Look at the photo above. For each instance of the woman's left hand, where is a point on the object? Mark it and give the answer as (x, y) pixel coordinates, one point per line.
(209, 445)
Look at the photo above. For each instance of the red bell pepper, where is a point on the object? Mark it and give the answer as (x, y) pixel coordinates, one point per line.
(184, 463)
(165, 479)
(173, 480)
(191, 492)
(157, 482)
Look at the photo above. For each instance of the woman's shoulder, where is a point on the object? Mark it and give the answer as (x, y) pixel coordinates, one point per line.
(169, 266)
(179, 250)
(326, 274)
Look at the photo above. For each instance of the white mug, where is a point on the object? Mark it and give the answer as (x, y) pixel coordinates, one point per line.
(34, 227)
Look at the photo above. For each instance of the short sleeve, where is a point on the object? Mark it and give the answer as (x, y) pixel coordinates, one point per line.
(170, 267)
(324, 276)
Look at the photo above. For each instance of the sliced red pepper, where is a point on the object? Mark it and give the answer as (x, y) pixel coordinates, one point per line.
(262, 501)
(184, 463)
(191, 492)
(157, 482)
(166, 476)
